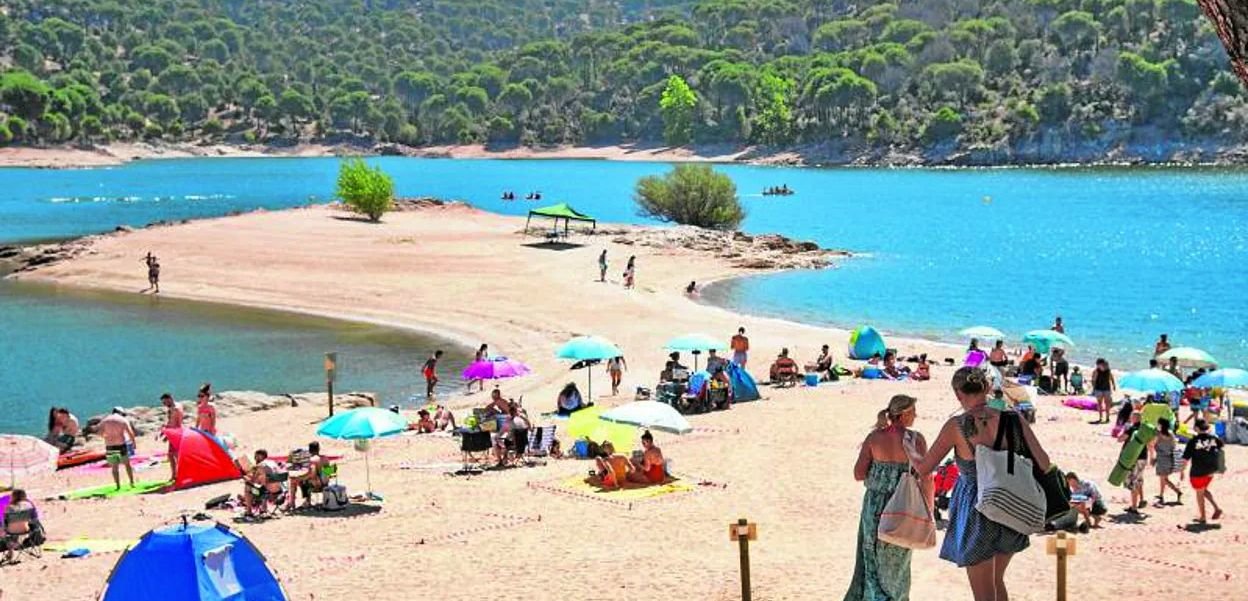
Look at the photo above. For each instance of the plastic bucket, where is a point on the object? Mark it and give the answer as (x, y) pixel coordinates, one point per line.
(812, 379)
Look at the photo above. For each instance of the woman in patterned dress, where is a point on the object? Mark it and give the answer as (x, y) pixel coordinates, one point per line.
(882, 570)
(972, 541)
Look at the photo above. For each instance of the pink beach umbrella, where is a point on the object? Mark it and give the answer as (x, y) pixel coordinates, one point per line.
(496, 369)
(25, 456)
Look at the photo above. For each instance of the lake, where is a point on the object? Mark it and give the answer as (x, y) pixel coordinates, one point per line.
(1122, 254)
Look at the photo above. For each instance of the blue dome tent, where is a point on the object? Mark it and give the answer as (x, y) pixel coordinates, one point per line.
(192, 562)
(743, 386)
(865, 342)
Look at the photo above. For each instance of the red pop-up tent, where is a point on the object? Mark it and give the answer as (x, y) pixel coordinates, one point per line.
(202, 459)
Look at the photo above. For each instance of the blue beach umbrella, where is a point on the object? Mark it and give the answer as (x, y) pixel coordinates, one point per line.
(1044, 340)
(588, 348)
(1223, 378)
(1151, 380)
(365, 423)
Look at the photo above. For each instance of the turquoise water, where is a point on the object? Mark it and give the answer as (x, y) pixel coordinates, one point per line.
(1122, 254)
(91, 351)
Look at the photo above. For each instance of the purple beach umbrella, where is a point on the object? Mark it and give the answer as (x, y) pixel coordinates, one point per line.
(495, 369)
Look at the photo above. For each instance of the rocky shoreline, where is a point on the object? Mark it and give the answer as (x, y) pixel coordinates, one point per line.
(148, 419)
(741, 250)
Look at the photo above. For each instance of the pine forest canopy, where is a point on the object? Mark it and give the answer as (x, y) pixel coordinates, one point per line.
(887, 74)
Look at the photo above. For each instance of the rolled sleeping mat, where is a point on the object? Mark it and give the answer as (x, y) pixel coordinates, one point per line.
(1155, 411)
(1131, 452)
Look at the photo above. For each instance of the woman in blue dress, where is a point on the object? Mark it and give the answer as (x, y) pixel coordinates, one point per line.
(972, 541)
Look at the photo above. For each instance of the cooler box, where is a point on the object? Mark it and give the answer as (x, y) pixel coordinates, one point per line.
(812, 379)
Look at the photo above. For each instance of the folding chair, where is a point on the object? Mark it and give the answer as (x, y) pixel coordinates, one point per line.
(22, 535)
(473, 444)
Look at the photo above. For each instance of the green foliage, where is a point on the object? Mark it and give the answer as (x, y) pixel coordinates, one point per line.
(366, 190)
(676, 105)
(943, 125)
(777, 72)
(690, 195)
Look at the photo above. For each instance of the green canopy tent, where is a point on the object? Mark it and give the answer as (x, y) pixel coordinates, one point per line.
(557, 212)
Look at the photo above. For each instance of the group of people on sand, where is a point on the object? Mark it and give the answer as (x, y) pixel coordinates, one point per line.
(267, 481)
(645, 468)
(630, 270)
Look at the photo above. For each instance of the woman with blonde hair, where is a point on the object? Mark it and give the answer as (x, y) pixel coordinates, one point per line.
(882, 570)
(972, 541)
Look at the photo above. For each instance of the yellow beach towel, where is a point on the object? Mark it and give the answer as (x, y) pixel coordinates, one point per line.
(579, 485)
(95, 545)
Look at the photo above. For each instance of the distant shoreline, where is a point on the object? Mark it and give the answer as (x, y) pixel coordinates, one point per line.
(112, 155)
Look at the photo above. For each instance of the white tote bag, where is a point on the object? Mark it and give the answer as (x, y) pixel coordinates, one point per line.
(1008, 492)
(907, 520)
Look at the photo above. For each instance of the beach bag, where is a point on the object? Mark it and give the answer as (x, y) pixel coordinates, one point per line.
(1008, 492)
(1052, 482)
(907, 520)
(334, 498)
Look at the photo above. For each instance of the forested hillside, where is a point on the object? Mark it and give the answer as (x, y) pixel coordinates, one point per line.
(1003, 79)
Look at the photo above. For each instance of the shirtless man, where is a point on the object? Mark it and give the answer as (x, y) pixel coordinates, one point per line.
(309, 480)
(498, 405)
(740, 348)
(443, 419)
(116, 429)
(153, 272)
(652, 469)
(205, 413)
(173, 421)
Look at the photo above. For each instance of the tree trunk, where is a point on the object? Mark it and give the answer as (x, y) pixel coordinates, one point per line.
(1230, 18)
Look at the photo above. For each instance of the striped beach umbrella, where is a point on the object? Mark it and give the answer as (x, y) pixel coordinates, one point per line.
(25, 456)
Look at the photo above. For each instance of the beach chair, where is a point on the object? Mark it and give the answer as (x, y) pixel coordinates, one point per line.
(541, 442)
(329, 477)
(475, 447)
(23, 535)
(786, 374)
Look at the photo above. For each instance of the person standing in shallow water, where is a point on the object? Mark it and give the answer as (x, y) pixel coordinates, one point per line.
(981, 546)
(882, 570)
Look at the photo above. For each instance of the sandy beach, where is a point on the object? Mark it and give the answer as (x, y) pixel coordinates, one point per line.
(118, 153)
(784, 462)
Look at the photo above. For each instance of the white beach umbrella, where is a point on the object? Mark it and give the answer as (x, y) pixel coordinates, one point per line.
(650, 414)
(985, 332)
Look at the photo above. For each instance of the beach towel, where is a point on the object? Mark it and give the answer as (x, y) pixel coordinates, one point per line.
(94, 545)
(579, 485)
(140, 462)
(109, 491)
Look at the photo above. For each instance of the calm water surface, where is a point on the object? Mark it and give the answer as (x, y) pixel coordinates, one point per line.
(1121, 254)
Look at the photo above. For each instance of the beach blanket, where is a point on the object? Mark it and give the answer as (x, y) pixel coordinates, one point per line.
(94, 545)
(578, 484)
(140, 462)
(109, 491)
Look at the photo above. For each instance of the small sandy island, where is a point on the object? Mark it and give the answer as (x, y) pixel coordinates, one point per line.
(784, 462)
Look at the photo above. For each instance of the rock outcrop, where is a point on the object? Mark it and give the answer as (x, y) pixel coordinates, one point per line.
(765, 251)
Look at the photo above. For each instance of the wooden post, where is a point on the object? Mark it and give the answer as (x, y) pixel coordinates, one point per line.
(1063, 547)
(743, 532)
(331, 365)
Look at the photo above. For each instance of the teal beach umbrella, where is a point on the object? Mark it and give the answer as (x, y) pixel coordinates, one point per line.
(588, 348)
(1044, 340)
(365, 423)
(1151, 380)
(695, 343)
